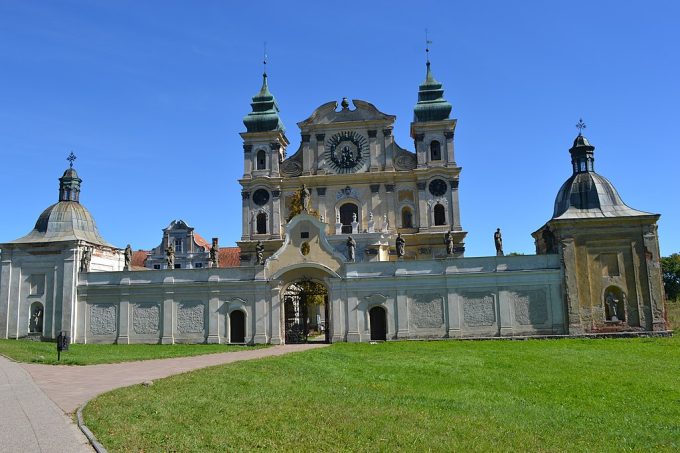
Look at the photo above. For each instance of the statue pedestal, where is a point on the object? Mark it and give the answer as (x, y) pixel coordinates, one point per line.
(338, 228)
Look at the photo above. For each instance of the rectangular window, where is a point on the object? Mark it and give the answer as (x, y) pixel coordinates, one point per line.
(37, 285)
(178, 246)
(199, 265)
(610, 264)
(178, 266)
(304, 235)
(156, 266)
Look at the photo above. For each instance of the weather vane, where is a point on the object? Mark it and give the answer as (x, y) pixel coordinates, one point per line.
(427, 47)
(264, 61)
(71, 157)
(580, 126)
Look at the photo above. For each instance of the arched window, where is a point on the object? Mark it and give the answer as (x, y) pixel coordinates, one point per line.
(406, 218)
(261, 160)
(261, 223)
(435, 150)
(439, 215)
(348, 212)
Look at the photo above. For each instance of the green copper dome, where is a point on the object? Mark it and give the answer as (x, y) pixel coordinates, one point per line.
(265, 114)
(431, 104)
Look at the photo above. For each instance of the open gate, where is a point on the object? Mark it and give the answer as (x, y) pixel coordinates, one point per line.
(305, 312)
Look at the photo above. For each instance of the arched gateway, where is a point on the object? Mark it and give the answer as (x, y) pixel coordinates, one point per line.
(305, 312)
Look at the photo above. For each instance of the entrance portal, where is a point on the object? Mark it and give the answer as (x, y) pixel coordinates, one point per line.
(237, 327)
(305, 313)
(378, 319)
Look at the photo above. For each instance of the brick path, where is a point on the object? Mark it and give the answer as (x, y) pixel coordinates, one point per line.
(71, 386)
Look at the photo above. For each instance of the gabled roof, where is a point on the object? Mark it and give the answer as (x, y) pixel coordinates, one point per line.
(328, 113)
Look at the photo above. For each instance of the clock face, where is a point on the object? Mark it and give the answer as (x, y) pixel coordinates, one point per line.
(346, 152)
(261, 197)
(438, 187)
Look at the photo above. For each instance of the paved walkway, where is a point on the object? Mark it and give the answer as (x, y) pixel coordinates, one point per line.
(29, 420)
(71, 386)
(32, 422)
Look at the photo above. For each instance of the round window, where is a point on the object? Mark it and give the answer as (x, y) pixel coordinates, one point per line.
(438, 187)
(261, 197)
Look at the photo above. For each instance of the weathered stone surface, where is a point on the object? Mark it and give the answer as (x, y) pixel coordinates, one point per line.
(426, 311)
(103, 319)
(146, 319)
(530, 306)
(478, 309)
(190, 318)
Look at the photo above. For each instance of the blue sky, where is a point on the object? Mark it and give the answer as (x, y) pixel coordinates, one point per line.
(151, 95)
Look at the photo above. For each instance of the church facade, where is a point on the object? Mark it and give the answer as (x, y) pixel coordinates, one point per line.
(351, 237)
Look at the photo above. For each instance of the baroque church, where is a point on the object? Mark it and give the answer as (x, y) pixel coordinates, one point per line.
(351, 237)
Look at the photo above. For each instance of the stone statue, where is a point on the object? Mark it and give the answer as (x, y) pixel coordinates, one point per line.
(128, 258)
(337, 217)
(304, 198)
(85, 260)
(386, 223)
(354, 217)
(170, 257)
(259, 253)
(370, 216)
(448, 240)
(401, 245)
(351, 248)
(214, 253)
(498, 241)
(612, 303)
(37, 320)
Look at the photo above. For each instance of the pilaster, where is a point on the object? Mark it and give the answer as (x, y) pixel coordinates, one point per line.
(307, 156)
(5, 290)
(423, 221)
(276, 214)
(275, 318)
(373, 163)
(168, 317)
(388, 149)
(124, 319)
(245, 215)
(68, 294)
(402, 314)
(213, 318)
(320, 152)
(450, 157)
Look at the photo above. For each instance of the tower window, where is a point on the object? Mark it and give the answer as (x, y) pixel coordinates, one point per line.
(435, 150)
(261, 226)
(439, 215)
(261, 160)
(406, 218)
(348, 213)
(178, 246)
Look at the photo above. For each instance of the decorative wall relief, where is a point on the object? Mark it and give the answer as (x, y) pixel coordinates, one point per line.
(103, 319)
(146, 319)
(190, 318)
(478, 309)
(426, 312)
(530, 306)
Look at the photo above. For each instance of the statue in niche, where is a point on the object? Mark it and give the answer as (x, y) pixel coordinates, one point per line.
(612, 304)
(85, 260)
(37, 320)
(304, 198)
(128, 258)
(401, 245)
(170, 257)
(448, 240)
(370, 216)
(351, 248)
(214, 253)
(386, 223)
(259, 253)
(498, 242)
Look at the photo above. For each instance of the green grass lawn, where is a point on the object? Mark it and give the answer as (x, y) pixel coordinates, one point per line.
(91, 354)
(536, 395)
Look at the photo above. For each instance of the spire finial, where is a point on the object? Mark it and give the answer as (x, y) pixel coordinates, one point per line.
(264, 60)
(427, 48)
(580, 126)
(71, 157)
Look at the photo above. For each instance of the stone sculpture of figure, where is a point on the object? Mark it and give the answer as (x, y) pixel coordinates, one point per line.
(128, 258)
(214, 253)
(304, 198)
(259, 253)
(337, 217)
(370, 216)
(170, 257)
(498, 241)
(612, 304)
(386, 223)
(351, 248)
(401, 245)
(37, 320)
(448, 239)
(85, 260)
(354, 217)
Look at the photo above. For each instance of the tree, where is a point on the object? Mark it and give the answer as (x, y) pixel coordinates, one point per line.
(670, 265)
